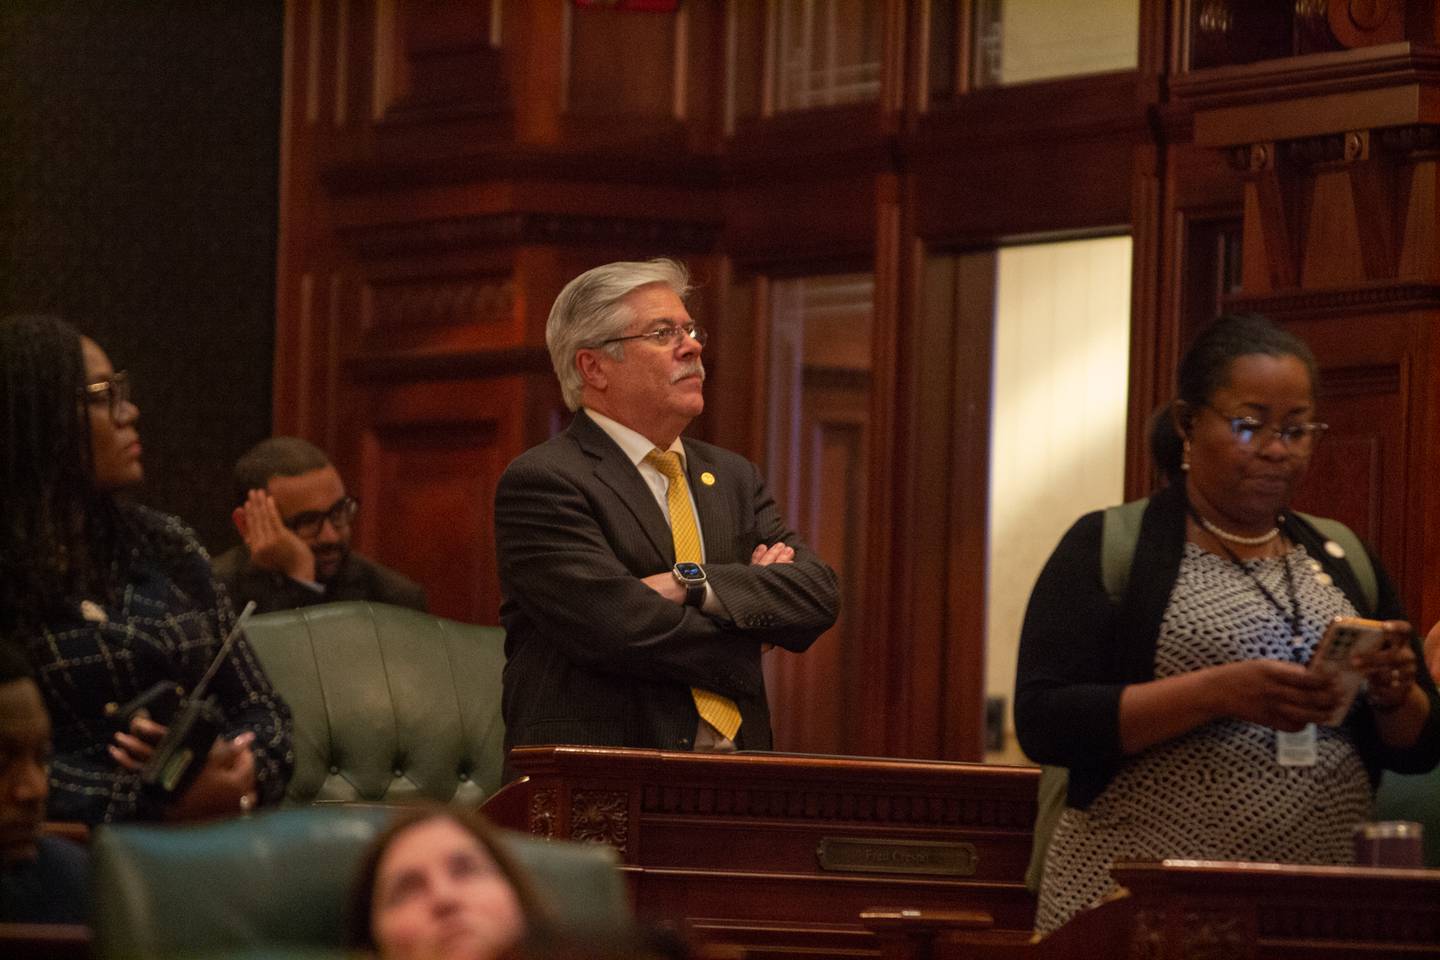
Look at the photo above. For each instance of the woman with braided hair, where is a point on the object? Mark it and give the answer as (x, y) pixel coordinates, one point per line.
(107, 597)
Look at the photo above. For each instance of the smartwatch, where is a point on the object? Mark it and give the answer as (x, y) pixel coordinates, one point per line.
(691, 576)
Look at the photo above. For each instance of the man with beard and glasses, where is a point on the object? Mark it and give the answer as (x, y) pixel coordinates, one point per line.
(643, 574)
(296, 521)
(42, 879)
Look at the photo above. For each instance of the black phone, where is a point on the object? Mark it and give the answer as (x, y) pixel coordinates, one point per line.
(160, 703)
(181, 753)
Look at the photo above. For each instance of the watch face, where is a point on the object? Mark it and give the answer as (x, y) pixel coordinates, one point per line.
(689, 571)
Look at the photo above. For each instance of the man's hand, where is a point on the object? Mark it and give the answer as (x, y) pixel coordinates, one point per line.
(777, 553)
(273, 546)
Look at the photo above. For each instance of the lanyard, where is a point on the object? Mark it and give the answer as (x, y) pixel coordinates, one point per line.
(1291, 616)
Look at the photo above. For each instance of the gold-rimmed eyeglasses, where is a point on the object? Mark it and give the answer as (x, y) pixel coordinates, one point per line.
(666, 335)
(113, 391)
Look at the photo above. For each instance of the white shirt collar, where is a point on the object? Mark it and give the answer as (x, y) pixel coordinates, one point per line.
(635, 445)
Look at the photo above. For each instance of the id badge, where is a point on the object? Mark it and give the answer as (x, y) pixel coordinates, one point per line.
(1296, 749)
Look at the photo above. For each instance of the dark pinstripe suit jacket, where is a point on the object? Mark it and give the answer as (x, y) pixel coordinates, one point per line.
(593, 656)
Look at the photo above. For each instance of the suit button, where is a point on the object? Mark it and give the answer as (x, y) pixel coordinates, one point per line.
(334, 771)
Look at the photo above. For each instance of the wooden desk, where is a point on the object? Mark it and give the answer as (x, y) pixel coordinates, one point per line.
(781, 853)
(1178, 910)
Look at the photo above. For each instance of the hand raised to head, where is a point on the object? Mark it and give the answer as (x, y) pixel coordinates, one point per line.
(273, 546)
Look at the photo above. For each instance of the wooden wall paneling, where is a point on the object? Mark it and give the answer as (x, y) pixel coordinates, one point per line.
(797, 224)
(535, 54)
(1003, 162)
(432, 455)
(970, 278)
(624, 63)
(1151, 324)
(816, 696)
(1371, 470)
(308, 276)
(1417, 200)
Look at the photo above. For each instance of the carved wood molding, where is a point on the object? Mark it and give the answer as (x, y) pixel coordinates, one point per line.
(847, 807)
(437, 300)
(664, 159)
(1385, 298)
(1147, 936)
(1359, 381)
(382, 241)
(1215, 936)
(436, 365)
(1411, 142)
(1393, 64)
(544, 813)
(601, 816)
(1361, 923)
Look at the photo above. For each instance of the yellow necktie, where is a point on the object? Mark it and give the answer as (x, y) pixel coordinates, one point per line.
(717, 710)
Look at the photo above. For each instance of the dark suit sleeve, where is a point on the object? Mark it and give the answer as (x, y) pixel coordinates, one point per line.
(787, 604)
(558, 567)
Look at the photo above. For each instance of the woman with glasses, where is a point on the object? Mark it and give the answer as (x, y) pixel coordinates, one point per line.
(111, 600)
(1177, 691)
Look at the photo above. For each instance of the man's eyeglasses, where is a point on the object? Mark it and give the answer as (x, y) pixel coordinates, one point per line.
(307, 525)
(1252, 434)
(113, 391)
(667, 335)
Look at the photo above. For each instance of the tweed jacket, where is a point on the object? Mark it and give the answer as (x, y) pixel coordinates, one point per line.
(114, 650)
(594, 656)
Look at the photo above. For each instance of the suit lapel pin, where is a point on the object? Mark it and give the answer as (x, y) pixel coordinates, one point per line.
(707, 478)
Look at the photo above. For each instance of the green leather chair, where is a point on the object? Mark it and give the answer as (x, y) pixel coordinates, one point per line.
(389, 704)
(277, 883)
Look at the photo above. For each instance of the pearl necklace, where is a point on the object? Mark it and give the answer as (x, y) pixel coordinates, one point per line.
(1224, 534)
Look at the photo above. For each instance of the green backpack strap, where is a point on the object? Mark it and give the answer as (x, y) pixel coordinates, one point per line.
(1119, 533)
(1355, 555)
(1118, 536)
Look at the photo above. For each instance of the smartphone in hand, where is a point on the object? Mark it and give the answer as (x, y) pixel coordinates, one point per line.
(1345, 638)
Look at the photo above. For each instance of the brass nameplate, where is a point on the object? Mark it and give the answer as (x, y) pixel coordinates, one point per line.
(931, 857)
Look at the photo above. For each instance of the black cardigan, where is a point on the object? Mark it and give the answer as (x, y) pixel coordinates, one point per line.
(1078, 650)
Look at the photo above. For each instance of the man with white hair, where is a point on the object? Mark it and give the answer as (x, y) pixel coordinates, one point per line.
(643, 573)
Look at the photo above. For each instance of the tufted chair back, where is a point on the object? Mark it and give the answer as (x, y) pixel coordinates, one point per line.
(390, 704)
(277, 884)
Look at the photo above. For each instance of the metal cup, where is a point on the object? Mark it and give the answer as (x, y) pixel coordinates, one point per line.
(1390, 843)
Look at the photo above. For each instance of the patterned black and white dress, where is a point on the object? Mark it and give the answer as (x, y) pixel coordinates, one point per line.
(1217, 792)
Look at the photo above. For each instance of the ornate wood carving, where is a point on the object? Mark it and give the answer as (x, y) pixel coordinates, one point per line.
(437, 300)
(543, 813)
(847, 806)
(381, 241)
(1147, 937)
(1215, 936)
(1355, 300)
(601, 816)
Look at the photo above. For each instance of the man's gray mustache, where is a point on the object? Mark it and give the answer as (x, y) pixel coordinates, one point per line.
(696, 369)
